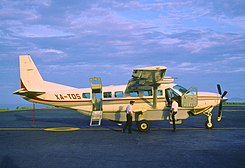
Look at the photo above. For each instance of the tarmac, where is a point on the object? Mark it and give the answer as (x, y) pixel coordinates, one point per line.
(62, 138)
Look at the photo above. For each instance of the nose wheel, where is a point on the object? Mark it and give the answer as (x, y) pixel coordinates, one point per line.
(209, 124)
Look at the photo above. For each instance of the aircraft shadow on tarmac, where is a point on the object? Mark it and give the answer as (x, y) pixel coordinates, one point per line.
(45, 120)
(7, 162)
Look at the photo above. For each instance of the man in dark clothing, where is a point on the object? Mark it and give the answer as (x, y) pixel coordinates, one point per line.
(174, 110)
(129, 111)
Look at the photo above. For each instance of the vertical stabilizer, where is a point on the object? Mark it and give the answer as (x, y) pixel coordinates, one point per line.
(29, 75)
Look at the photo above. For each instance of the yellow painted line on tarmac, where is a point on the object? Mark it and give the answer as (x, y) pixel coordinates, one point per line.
(58, 129)
(21, 129)
(66, 129)
(233, 110)
(62, 129)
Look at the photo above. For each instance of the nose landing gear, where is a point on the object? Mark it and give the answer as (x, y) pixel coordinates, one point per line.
(208, 124)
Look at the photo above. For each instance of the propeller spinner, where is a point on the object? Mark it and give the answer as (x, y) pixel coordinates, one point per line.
(222, 95)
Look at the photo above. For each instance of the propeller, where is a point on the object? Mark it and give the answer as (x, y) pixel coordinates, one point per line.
(222, 95)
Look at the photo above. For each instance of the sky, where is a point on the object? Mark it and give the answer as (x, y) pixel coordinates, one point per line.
(202, 43)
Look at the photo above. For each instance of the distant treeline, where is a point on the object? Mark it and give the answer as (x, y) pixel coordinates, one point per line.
(18, 108)
(4, 109)
(234, 103)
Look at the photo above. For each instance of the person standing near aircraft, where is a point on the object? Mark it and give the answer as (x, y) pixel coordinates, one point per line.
(174, 110)
(129, 111)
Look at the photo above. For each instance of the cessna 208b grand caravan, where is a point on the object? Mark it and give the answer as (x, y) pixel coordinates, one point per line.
(151, 90)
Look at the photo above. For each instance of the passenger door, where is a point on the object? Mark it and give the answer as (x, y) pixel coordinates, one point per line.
(169, 94)
(96, 87)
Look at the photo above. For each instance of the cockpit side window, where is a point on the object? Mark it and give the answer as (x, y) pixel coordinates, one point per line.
(173, 93)
(180, 89)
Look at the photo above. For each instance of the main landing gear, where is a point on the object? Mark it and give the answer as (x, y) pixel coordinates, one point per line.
(143, 126)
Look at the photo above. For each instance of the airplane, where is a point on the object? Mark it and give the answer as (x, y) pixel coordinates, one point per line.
(151, 90)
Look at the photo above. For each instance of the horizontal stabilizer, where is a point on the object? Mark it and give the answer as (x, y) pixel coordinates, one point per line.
(23, 91)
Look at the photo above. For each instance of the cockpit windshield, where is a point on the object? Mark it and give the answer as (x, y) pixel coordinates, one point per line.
(180, 89)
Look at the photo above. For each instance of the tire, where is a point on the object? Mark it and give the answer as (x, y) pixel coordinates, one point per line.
(208, 125)
(143, 126)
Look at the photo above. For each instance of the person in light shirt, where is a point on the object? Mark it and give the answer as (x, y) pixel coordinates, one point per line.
(174, 110)
(129, 111)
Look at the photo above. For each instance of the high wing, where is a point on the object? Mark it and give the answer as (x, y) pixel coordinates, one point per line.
(146, 78)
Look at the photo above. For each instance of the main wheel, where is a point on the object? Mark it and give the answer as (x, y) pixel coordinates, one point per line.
(143, 126)
(208, 125)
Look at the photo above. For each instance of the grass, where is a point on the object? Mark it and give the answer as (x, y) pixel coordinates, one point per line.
(16, 109)
(234, 103)
(4, 109)
(25, 109)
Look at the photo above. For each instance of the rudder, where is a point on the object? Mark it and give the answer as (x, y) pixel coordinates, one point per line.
(29, 74)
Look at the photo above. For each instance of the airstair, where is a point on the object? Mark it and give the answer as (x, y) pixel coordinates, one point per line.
(97, 113)
(96, 117)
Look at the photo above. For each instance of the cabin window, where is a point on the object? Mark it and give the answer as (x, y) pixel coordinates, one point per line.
(147, 92)
(107, 94)
(119, 94)
(159, 93)
(134, 94)
(86, 95)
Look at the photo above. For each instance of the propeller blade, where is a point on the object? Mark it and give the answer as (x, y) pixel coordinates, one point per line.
(221, 101)
(223, 95)
(220, 111)
(219, 118)
(219, 89)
